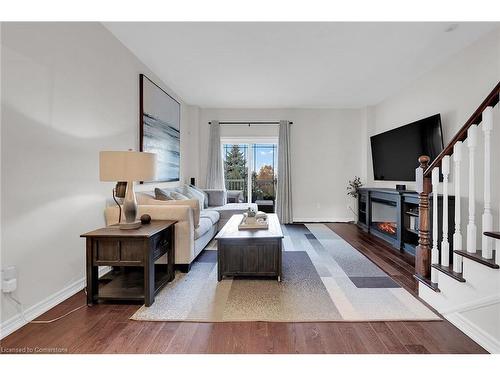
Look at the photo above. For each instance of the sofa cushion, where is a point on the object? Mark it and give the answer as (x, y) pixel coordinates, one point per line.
(203, 227)
(213, 215)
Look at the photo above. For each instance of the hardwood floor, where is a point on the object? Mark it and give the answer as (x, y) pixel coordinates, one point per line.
(380, 253)
(107, 329)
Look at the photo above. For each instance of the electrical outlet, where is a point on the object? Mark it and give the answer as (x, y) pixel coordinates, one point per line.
(9, 286)
(9, 279)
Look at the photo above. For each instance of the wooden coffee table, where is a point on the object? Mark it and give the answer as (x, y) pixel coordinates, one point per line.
(249, 252)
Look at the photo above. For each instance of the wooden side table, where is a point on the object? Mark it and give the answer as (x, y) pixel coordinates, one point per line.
(134, 252)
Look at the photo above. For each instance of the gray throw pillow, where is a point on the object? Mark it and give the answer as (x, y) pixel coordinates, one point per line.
(178, 196)
(196, 194)
(163, 195)
(205, 195)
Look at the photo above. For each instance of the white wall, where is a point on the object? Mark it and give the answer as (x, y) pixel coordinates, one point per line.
(68, 91)
(326, 153)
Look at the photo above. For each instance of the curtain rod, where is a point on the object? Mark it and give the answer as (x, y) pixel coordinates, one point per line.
(248, 122)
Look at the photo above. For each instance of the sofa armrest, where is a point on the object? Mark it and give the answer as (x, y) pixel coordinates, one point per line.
(157, 212)
(193, 203)
(216, 197)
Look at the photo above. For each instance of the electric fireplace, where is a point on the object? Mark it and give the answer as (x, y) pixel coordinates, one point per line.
(392, 215)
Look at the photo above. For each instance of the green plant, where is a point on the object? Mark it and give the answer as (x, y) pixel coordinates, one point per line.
(353, 187)
(235, 164)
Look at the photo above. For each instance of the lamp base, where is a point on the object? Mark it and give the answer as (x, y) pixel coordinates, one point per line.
(127, 226)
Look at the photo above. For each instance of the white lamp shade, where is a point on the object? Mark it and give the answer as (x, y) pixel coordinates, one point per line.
(127, 166)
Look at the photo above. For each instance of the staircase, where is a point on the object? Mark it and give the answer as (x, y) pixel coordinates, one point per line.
(466, 288)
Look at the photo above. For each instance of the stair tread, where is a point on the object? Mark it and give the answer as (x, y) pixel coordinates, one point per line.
(449, 271)
(477, 256)
(427, 282)
(492, 234)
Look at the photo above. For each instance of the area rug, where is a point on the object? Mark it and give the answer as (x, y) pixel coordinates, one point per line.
(324, 279)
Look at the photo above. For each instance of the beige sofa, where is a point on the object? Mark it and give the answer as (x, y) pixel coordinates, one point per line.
(195, 228)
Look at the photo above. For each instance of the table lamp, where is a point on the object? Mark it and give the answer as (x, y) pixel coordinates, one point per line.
(129, 166)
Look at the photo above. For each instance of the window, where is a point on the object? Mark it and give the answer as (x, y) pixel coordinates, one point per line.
(236, 163)
(250, 171)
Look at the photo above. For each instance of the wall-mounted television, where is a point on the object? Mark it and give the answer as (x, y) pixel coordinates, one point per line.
(395, 152)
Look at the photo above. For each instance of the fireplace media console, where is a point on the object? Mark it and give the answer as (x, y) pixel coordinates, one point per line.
(392, 215)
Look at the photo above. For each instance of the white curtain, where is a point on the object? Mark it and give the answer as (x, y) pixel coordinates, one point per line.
(215, 170)
(284, 193)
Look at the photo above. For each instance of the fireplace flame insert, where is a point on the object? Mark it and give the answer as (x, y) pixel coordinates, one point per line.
(384, 217)
(388, 228)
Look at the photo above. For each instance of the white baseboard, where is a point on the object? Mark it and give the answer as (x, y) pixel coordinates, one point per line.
(322, 220)
(17, 321)
(472, 305)
(477, 334)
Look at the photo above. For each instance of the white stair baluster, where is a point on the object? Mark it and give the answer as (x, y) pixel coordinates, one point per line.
(435, 232)
(457, 235)
(445, 246)
(487, 219)
(471, 227)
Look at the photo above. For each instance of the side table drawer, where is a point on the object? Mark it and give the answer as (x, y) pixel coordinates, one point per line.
(109, 251)
(160, 244)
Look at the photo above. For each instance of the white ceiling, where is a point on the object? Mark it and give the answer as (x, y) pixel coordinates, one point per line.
(276, 65)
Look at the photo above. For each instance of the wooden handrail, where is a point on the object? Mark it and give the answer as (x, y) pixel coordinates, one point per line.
(490, 101)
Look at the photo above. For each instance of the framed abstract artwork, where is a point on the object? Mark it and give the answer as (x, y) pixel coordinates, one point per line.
(159, 119)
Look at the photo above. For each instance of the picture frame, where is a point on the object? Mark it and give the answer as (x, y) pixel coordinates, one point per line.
(159, 128)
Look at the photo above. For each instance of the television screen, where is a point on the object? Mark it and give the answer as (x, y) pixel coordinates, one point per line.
(395, 153)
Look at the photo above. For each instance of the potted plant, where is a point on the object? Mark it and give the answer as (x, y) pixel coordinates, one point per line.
(353, 192)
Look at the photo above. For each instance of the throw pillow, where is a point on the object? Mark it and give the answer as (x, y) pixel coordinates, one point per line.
(184, 191)
(178, 196)
(163, 195)
(205, 195)
(194, 194)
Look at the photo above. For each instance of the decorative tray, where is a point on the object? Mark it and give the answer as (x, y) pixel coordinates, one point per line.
(260, 223)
